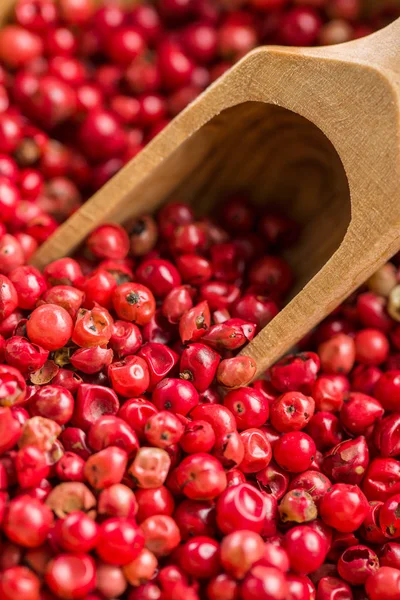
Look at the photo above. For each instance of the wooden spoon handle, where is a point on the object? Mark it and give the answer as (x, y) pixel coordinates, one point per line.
(380, 49)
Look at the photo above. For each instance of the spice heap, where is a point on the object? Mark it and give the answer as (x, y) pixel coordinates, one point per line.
(137, 461)
(83, 88)
(137, 458)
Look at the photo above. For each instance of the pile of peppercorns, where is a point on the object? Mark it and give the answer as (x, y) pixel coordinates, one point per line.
(84, 88)
(137, 459)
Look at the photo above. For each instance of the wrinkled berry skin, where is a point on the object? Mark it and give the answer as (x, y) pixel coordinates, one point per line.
(249, 407)
(198, 364)
(347, 462)
(295, 372)
(201, 477)
(291, 412)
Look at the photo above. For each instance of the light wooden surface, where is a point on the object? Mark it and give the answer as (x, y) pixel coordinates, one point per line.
(313, 130)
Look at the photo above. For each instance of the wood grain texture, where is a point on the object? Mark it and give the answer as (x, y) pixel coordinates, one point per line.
(315, 131)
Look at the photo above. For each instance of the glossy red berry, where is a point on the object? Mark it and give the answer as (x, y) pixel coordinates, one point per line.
(109, 430)
(241, 507)
(291, 411)
(177, 395)
(297, 506)
(117, 501)
(77, 533)
(344, 507)
(359, 412)
(163, 429)
(50, 326)
(201, 557)
(93, 401)
(150, 467)
(240, 550)
(198, 436)
(8, 297)
(357, 563)
(257, 450)
(134, 302)
(337, 354)
(130, 376)
(264, 582)
(194, 323)
(347, 462)
(384, 584)
(92, 327)
(71, 575)
(161, 534)
(273, 480)
(120, 541)
(249, 406)
(31, 466)
(199, 364)
(106, 467)
(294, 451)
(387, 390)
(296, 372)
(27, 521)
(201, 477)
(18, 581)
(306, 549)
(236, 372)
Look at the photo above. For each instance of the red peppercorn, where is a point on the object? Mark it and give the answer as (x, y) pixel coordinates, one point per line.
(27, 521)
(71, 575)
(199, 364)
(92, 401)
(325, 430)
(150, 467)
(198, 436)
(120, 541)
(178, 396)
(249, 407)
(389, 555)
(294, 451)
(109, 430)
(359, 412)
(384, 584)
(201, 557)
(161, 534)
(348, 461)
(134, 302)
(77, 533)
(31, 466)
(295, 372)
(257, 450)
(201, 477)
(223, 587)
(264, 582)
(291, 411)
(106, 467)
(18, 581)
(241, 507)
(12, 386)
(387, 390)
(163, 429)
(49, 326)
(330, 586)
(129, 377)
(344, 507)
(160, 360)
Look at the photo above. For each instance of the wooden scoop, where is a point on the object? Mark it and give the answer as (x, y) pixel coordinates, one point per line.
(314, 131)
